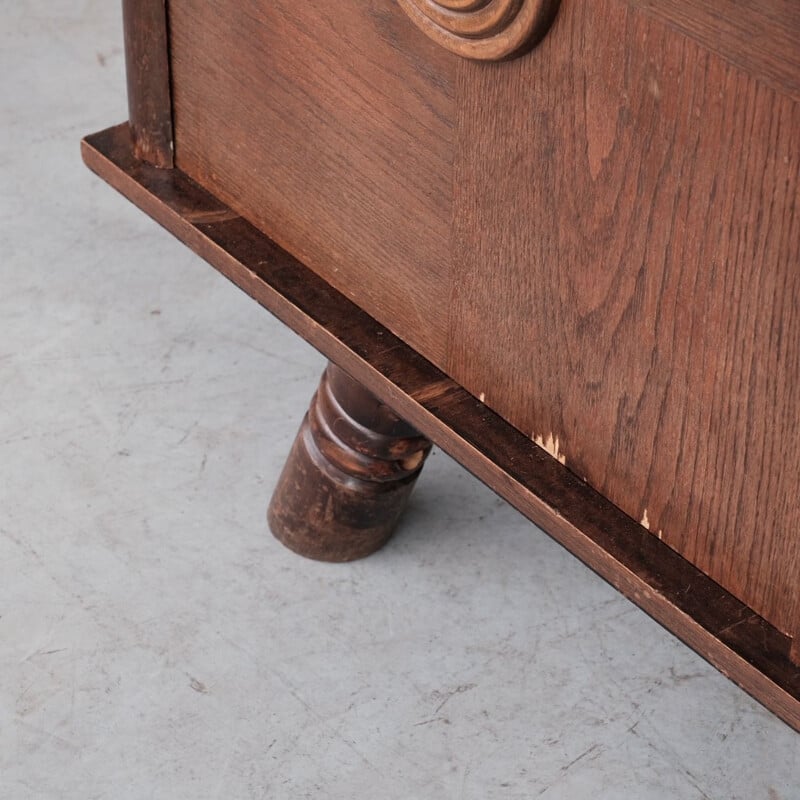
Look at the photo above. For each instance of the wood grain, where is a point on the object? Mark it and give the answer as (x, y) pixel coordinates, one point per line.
(627, 289)
(711, 620)
(761, 37)
(147, 70)
(328, 125)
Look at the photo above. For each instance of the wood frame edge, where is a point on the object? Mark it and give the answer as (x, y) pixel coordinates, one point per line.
(148, 79)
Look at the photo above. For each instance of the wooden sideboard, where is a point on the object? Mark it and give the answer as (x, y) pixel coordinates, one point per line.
(559, 240)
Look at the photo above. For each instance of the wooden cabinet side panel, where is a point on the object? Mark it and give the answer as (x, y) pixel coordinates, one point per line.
(627, 283)
(330, 127)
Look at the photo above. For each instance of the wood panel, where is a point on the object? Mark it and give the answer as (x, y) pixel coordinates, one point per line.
(763, 38)
(736, 640)
(627, 288)
(328, 125)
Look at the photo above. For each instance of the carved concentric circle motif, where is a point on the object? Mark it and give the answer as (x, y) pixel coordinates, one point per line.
(487, 30)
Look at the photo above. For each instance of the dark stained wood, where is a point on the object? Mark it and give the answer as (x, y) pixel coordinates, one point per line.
(710, 619)
(349, 475)
(147, 65)
(342, 144)
(627, 282)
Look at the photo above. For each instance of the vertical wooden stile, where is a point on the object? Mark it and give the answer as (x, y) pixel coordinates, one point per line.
(149, 96)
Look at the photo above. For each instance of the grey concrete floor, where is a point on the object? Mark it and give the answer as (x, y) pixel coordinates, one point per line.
(156, 642)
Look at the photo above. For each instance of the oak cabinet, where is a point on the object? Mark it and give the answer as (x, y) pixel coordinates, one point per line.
(560, 240)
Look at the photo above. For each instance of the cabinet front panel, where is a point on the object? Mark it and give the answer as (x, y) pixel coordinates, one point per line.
(627, 283)
(329, 126)
(600, 238)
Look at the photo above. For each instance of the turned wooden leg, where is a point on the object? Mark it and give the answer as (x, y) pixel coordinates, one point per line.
(348, 476)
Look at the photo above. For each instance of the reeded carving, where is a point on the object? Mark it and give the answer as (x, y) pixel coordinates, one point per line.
(486, 30)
